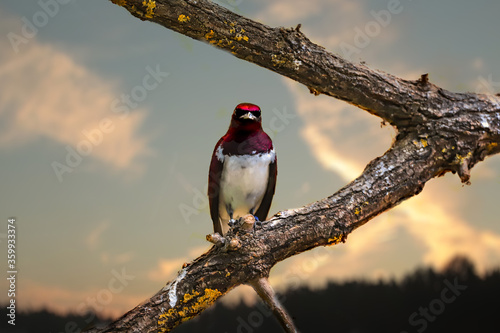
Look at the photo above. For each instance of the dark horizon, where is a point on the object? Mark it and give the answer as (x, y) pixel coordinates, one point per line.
(425, 300)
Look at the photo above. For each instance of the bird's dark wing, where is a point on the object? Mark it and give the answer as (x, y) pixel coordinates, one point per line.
(214, 175)
(265, 205)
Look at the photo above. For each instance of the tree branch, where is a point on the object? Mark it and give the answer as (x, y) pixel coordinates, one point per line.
(266, 292)
(438, 131)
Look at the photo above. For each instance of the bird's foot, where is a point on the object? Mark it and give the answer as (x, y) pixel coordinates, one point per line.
(232, 222)
(257, 223)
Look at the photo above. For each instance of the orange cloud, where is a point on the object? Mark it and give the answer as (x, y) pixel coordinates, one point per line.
(337, 23)
(108, 301)
(167, 268)
(343, 140)
(44, 93)
(93, 238)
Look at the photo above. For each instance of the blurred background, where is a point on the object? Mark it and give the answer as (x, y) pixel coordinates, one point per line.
(107, 126)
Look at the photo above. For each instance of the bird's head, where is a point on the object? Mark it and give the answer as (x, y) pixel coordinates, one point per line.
(246, 117)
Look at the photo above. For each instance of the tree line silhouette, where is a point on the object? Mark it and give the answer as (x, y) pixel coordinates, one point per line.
(455, 299)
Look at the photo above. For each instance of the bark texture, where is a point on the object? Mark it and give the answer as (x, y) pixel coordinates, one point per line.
(438, 131)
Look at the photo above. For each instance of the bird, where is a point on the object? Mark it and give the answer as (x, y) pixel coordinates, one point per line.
(243, 171)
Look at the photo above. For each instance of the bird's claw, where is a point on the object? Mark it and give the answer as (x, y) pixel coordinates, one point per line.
(257, 223)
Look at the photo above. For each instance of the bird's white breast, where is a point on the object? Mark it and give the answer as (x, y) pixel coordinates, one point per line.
(243, 183)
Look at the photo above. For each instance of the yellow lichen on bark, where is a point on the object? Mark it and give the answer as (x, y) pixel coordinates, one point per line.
(210, 34)
(460, 159)
(150, 7)
(492, 146)
(191, 310)
(183, 18)
(122, 3)
(335, 240)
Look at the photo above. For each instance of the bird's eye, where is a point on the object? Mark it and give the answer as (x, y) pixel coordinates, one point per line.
(240, 112)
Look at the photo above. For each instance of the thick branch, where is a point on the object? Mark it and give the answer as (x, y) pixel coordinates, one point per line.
(388, 180)
(290, 53)
(439, 131)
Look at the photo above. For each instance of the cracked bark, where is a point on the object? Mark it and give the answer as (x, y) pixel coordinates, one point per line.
(438, 131)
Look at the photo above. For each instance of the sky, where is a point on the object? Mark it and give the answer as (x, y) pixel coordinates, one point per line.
(107, 126)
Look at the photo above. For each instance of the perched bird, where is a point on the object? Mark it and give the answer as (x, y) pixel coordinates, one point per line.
(242, 175)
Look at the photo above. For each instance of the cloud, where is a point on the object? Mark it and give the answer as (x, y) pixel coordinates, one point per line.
(478, 63)
(167, 268)
(444, 234)
(116, 259)
(44, 93)
(93, 242)
(290, 12)
(94, 237)
(284, 12)
(364, 255)
(111, 302)
(330, 23)
(343, 140)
